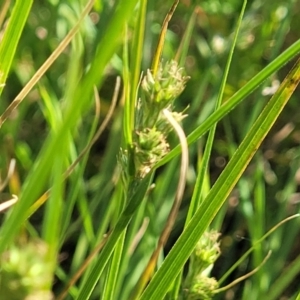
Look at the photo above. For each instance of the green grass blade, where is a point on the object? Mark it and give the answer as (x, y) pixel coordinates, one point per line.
(92, 279)
(196, 198)
(239, 96)
(197, 193)
(184, 246)
(113, 271)
(255, 244)
(136, 54)
(74, 109)
(183, 48)
(132, 71)
(127, 126)
(54, 206)
(11, 37)
(285, 279)
(114, 268)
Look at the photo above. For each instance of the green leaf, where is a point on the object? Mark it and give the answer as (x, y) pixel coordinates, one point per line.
(12, 36)
(184, 246)
(89, 284)
(238, 97)
(74, 109)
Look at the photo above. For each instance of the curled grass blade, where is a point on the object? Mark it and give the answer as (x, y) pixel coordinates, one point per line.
(244, 277)
(253, 247)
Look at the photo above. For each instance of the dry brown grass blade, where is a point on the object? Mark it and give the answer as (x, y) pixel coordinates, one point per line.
(3, 11)
(10, 172)
(42, 70)
(7, 204)
(161, 39)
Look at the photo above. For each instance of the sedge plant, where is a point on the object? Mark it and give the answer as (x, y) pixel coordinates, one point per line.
(95, 200)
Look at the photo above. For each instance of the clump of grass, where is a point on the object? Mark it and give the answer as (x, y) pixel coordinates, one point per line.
(112, 212)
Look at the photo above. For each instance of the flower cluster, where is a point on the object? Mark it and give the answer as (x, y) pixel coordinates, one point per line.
(207, 250)
(202, 288)
(198, 283)
(158, 92)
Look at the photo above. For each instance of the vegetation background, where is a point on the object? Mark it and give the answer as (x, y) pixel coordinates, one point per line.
(59, 117)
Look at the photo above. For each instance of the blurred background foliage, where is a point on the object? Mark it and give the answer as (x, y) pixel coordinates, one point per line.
(268, 192)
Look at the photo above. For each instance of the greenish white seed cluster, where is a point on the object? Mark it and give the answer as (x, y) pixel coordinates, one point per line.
(158, 92)
(199, 285)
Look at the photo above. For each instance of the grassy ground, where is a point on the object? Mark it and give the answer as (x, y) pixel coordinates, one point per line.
(187, 188)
